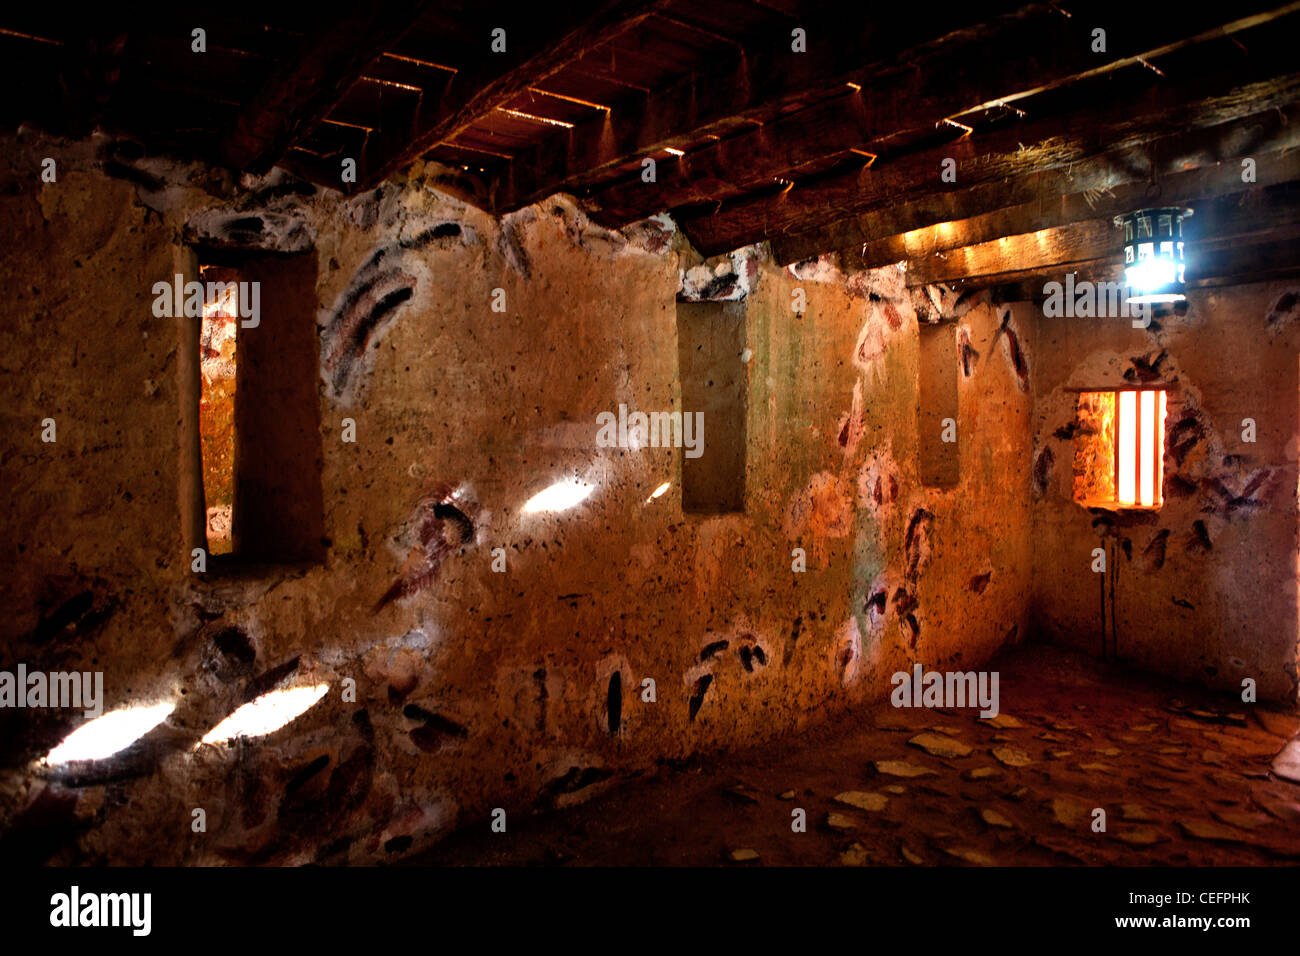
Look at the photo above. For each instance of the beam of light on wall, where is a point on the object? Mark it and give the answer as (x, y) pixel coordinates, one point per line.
(559, 497)
(267, 713)
(109, 734)
(659, 491)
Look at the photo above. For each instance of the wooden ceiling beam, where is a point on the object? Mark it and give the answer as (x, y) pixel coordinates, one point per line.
(840, 210)
(734, 93)
(1222, 262)
(1148, 163)
(474, 93)
(1051, 209)
(303, 89)
(87, 65)
(1257, 215)
(1027, 58)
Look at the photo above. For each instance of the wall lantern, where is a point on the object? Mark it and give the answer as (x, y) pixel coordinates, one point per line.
(1153, 254)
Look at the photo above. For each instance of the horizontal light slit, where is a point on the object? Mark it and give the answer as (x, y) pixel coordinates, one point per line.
(392, 83)
(30, 36)
(428, 63)
(477, 149)
(533, 117)
(334, 122)
(569, 99)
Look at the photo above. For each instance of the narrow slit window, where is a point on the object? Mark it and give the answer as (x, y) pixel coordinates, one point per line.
(937, 409)
(710, 343)
(218, 362)
(1119, 449)
(259, 483)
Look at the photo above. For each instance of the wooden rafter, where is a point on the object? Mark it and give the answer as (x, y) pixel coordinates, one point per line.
(898, 105)
(301, 91)
(843, 209)
(1052, 208)
(1232, 219)
(742, 87)
(475, 93)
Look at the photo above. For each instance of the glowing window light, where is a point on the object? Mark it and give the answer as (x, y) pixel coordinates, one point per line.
(1160, 449)
(1139, 447)
(267, 713)
(109, 734)
(659, 491)
(559, 497)
(1154, 263)
(1126, 446)
(1146, 447)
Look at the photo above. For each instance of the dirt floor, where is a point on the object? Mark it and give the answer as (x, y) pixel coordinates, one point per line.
(1184, 777)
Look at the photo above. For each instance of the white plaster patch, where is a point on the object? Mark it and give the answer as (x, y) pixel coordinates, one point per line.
(846, 655)
(852, 423)
(253, 228)
(823, 508)
(727, 278)
(423, 820)
(879, 480)
(566, 763)
(876, 615)
(876, 335)
(823, 268)
(599, 701)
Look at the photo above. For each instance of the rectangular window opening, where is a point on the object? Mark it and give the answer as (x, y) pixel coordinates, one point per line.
(218, 361)
(710, 347)
(1119, 449)
(940, 453)
(260, 458)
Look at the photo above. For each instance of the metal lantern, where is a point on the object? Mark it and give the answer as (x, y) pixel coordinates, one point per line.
(1154, 264)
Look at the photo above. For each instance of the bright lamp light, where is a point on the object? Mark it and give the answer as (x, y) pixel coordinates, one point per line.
(1154, 261)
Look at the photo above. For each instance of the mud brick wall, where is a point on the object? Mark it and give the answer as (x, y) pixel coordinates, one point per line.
(474, 689)
(1205, 588)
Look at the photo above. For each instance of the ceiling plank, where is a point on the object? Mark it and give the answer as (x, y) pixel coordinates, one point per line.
(740, 88)
(475, 93)
(1025, 59)
(1051, 209)
(88, 62)
(1231, 261)
(1257, 215)
(839, 210)
(1148, 162)
(303, 89)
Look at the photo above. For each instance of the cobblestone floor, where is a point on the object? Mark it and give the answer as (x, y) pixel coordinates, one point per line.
(1185, 777)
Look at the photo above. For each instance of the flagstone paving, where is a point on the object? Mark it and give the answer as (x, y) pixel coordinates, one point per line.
(1184, 777)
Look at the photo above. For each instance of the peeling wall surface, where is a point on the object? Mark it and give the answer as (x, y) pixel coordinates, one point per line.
(1204, 589)
(620, 633)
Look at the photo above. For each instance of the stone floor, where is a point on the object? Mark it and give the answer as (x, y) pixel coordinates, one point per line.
(1185, 778)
